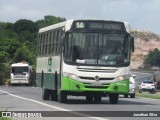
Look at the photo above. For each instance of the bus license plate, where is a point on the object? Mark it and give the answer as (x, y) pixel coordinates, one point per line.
(96, 84)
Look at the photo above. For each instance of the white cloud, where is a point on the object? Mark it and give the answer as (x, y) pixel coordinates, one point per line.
(143, 14)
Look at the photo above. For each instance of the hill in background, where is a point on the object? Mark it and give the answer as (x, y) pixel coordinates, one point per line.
(144, 42)
(18, 42)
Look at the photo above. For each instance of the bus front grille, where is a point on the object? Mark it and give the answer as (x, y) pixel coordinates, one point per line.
(92, 78)
(96, 70)
(99, 87)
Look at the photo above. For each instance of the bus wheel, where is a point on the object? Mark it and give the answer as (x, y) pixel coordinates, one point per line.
(132, 95)
(113, 98)
(42, 79)
(97, 98)
(126, 95)
(89, 99)
(45, 94)
(54, 95)
(62, 97)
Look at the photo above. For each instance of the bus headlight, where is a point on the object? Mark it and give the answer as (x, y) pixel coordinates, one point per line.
(133, 90)
(122, 77)
(71, 76)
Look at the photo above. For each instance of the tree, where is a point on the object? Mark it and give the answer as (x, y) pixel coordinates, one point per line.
(18, 42)
(9, 26)
(26, 36)
(24, 25)
(3, 68)
(153, 58)
(9, 45)
(25, 53)
(48, 20)
(3, 56)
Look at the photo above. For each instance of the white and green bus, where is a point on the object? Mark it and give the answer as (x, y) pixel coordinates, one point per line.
(88, 58)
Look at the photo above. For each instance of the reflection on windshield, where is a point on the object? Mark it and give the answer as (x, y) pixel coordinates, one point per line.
(19, 70)
(94, 48)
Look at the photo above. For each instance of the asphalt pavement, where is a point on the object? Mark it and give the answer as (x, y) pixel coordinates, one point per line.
(25, 98)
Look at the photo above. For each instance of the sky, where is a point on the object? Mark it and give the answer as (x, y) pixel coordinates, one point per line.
(141, 14)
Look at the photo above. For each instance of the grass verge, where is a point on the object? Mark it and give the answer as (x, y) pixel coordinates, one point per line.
(148, 95)
(5, 118)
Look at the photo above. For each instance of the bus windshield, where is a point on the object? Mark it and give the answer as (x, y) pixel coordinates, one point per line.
(19, 70)
(97, 48)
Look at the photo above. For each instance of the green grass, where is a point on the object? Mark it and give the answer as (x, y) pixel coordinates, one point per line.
(5, 118)
(148, 95)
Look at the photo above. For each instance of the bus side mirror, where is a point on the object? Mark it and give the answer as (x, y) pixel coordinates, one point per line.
(62, 41)
(134, 76)
(132, 43)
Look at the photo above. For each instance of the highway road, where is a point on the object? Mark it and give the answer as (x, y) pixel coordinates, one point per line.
(25, 98)
(141, 76)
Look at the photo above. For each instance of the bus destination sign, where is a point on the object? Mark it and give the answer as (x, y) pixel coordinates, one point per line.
(106, 26)
(99, 25)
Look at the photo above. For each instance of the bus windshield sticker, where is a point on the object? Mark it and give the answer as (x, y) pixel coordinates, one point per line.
(49, 61)
(80, 25)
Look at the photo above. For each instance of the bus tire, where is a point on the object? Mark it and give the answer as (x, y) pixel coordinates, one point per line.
(89, 99)
(42, 79)
(126, 95)
(54, 95)
(45, 94)
(97, 98)
(56, 81)
(113, 98)
(62, 97)
(132, 95)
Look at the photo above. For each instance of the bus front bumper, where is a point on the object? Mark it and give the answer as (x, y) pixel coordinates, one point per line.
(76, 86)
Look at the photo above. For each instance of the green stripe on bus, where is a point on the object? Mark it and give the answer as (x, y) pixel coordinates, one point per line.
(76, 86)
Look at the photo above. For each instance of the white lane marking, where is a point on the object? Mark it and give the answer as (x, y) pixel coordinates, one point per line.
(148, 98)
(152, 106)
(54, 107)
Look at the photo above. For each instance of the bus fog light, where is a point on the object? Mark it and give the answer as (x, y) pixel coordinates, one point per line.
(115, 87)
